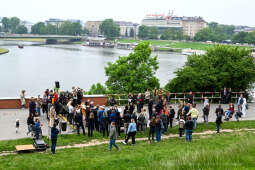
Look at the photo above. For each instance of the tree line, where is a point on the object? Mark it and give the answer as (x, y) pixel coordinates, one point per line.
(65, 28)
(13, 25)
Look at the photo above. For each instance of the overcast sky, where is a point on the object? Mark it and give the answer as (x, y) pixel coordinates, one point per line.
(237, 12)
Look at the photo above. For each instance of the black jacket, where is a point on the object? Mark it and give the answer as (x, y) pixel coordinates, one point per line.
(189, 125)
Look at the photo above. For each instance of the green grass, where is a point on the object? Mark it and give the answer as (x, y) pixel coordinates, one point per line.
(224, 151)
(63, 140)
(3, 50)
(172, 44)
(26, 39)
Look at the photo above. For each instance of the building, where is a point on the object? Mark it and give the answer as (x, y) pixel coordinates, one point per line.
(192, 25)
(93, 27)
(243, 29)
(189, 25)
(55, 21)
(126, 27)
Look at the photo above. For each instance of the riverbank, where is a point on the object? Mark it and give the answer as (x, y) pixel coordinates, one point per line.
(25, 39)
(165, 44)
(3, 51)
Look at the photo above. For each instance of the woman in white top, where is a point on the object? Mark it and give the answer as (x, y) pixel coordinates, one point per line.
(244, 107)
(22, 99)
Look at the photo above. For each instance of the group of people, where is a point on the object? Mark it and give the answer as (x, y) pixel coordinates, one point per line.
(110, 120)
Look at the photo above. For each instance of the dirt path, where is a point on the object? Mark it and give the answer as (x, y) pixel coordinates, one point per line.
(100, 142)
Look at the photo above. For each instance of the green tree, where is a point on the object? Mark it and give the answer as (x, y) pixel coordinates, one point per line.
(240, 37)
(51, 29)
(21, 29)
(143, 32)
(85, 31)
(172, 34)
(251, 38)
(126, 33)
(109, 29)
(97, 89)
(221, 66)
(153, 33)
(206, 34)
(6, 24)
(133, 73)
(1, 29)
(132, 33)
(14, 23)
(38, 28)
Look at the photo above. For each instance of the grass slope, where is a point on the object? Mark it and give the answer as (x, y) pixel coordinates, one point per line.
(3, 50)
(63, 140)
(172, 44)
(224, 151)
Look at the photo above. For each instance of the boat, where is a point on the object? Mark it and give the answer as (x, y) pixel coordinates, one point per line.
(20, 46)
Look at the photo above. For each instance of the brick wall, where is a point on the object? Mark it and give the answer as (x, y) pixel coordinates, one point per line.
(14, 103)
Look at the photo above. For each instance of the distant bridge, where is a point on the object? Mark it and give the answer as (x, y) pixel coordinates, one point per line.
(2, 36)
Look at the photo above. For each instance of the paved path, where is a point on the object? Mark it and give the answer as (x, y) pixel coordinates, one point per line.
(9, 116)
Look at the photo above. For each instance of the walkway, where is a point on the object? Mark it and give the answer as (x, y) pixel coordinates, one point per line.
(9, 116)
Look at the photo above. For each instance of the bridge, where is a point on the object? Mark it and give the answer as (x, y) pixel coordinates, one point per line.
(40, 36)
(50, 39)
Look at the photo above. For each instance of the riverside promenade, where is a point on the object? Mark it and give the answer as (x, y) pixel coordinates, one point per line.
(9, 116)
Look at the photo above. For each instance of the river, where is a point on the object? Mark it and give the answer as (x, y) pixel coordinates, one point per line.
(35, 68)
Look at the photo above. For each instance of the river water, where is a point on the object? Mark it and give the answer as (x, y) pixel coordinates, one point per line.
(35, 68)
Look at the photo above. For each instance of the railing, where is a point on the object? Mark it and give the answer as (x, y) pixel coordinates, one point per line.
(214, 97)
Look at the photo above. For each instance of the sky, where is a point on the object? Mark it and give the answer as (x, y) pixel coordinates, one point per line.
(236, 12)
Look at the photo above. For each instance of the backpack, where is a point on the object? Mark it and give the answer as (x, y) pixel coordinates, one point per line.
(91, 115)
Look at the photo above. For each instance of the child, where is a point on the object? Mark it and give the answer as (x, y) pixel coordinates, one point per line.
(181, 126)
(113, 137)
(17, 125)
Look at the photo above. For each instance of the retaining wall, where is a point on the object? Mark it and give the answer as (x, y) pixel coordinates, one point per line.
(14, 102)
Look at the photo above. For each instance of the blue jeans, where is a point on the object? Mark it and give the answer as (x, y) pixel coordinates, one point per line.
(195, 122)
(188, 134)
(112, 142)
(53, 145)
(158, 135)
(218, 127)
(38, 109)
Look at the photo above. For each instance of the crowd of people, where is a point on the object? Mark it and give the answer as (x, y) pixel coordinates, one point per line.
(109, 120)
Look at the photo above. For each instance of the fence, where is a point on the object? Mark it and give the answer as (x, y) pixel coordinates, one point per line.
(214, 97)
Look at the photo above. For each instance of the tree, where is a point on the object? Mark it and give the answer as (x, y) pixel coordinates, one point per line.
(133, 73)
(50, 29)
(206, 34)
(1, 29)
(21, 29)
(173, 34)
(240, 37)
(14, 23)
(38, 28)
(109, 29)
(153, 33)
(222, 66)
(143, 32)
(85, 31)
(215, 32)
(251, 38)
(6, 24)
(132, 33)
(97, 89)
(126, 33)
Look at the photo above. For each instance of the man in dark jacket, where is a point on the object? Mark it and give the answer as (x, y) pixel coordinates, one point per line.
(32, 106)
(171, 116)
(189, 124)
(218, 122)
(54, 137)
(219, 110)
(79, 123)
(190, 97)
(150, 105)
